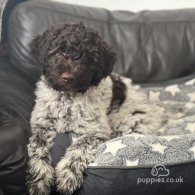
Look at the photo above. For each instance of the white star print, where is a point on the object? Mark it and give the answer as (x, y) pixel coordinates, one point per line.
(136, 86)
(191, 82)
(93, 164)
(191, 127)
(132, 163)
(158, 148)
(173, 89)
(171, 137)
(113, 147)
(189, 105)
(193, 150)
(136, 135)
(192, 96)
(154, 95)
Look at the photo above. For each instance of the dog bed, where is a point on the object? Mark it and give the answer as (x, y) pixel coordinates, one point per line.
(135, 164)
(174, 143)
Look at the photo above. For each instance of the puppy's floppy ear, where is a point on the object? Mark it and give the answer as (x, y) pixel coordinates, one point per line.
(107, 58)
(34, 46)
(40, 45)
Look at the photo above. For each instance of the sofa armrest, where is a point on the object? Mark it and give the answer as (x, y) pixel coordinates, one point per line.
(13, 158)
(16, 102)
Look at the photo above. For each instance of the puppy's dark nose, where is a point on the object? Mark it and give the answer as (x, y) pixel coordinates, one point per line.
(67, 77)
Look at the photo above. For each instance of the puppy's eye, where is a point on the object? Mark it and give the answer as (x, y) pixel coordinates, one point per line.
(63, 52)
(77, 54)
(53, 51)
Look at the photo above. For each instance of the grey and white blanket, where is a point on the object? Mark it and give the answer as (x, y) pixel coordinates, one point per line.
(175, 143)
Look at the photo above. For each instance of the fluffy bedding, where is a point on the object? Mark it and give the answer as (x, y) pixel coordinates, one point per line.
(174, 143)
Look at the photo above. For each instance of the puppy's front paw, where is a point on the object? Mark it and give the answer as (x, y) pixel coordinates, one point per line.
(39, 177)
(67, 178)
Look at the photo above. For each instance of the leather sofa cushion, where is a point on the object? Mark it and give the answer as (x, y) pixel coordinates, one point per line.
(151, 45)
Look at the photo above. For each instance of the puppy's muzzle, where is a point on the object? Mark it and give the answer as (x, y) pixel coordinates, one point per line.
(67, 77)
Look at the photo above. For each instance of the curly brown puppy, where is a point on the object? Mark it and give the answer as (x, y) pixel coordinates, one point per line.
(77, 93)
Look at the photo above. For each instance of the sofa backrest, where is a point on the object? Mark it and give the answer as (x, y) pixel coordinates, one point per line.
(151, 45)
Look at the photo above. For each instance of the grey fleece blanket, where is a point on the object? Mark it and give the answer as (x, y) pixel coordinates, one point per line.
(175, 143)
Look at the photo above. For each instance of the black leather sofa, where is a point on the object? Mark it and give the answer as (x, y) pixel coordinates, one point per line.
(152, 47)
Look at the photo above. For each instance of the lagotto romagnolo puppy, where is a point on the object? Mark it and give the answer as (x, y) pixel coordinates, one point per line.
(77, 93)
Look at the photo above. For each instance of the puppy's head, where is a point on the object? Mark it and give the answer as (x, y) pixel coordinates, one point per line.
(73, 57)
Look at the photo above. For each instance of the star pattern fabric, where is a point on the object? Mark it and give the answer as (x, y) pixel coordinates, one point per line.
(173, 89)
(191, 82)
(145, 150)
(189, 105)
(136, 135)
(170, 138)
(192, 96)
(191, 127)
(193, 150)
(113, 147)
(154, 95)
(158, 148)
(132, 163)
(173, 143)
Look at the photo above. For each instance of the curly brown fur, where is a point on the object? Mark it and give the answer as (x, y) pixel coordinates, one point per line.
(77, 94)
(76, 49)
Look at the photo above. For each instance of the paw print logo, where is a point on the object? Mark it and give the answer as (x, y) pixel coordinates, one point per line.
(160, 170)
